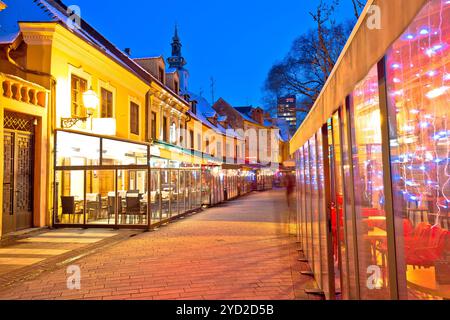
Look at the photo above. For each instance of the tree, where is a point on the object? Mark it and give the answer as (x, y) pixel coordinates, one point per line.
(307, 66)
(358, 5)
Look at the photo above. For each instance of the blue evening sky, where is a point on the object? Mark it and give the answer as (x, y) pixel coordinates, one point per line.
(235, 41)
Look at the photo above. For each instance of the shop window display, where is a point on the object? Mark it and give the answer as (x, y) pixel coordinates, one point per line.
(418, 81)
(369, 189)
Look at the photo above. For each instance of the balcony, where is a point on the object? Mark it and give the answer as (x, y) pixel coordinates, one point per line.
(18, 89)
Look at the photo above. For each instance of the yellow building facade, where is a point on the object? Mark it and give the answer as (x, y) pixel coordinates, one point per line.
(104, 140)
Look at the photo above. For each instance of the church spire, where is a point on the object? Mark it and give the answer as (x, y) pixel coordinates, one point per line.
(175, 36)
(177, 61)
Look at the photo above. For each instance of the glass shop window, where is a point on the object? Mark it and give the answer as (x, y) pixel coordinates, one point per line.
(369, 189)
(123, 153)
(418, 80)
(77, 150)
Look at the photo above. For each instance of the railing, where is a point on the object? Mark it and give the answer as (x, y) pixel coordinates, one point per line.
(21, 90)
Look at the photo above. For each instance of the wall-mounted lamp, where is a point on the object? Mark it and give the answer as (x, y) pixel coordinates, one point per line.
(90, 102)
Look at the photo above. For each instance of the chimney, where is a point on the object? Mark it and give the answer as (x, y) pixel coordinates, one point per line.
(128, 51)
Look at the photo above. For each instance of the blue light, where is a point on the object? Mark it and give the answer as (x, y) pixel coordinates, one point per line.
(424, 32)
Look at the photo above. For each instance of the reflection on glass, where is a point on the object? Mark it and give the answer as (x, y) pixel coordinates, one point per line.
(349, 215)
(175, 193)
(166, 193)
(323, 218)
(123, 153)
(315, 210)
(155, 195)
(132, 192)
(369, 189)
(418, 89)
(337, 211)
(69, 186)
(309, 251)
(101, 199)
(77, 150)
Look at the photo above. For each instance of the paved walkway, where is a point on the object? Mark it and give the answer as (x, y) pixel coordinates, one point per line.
(240, 250)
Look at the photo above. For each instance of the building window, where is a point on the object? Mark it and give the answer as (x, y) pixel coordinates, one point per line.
(182, 134)
(191, 139)
(219, 149)
(199, 142)
(78, 87)
(173, 133)
(207, 145)
(194, 107)
(134, 118)
(153, 125)
(106, 103)
(161, 75)
(176, 87)
(165, 138)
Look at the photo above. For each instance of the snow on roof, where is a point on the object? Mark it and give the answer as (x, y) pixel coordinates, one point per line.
(172, 70)
(150, 57)
(205, 111)
(55, 11)
(8, 38)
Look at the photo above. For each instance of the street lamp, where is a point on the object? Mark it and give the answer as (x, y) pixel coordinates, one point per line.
(90, 102)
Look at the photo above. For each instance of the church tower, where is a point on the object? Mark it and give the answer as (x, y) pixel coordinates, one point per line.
(177, 61)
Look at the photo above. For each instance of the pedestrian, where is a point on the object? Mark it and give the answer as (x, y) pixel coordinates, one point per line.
(290, 185)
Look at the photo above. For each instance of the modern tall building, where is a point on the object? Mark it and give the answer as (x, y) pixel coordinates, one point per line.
(287, 109)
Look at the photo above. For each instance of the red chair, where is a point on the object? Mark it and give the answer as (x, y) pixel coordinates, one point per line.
(426, 256)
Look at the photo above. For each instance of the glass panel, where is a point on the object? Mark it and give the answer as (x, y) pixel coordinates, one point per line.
(315, 211)
(123, 153)
(132, 191)
(69, 187)
(348, 207)
(101, 197)
(369, 190)
(165, 194)
(337, 212)
(206, 187)
(303, 199)
(323, 217)
(175, 191)
(182, 196)
(309, 252)
(418, 91)
(155, 195)
(77, 150)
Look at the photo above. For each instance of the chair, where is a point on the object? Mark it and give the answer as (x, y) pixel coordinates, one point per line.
(112, 205)
(429, 253)
(69, 207)
(133, 205)
(93, 204)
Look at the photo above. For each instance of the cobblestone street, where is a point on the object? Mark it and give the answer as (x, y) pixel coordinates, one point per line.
(240, 250)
